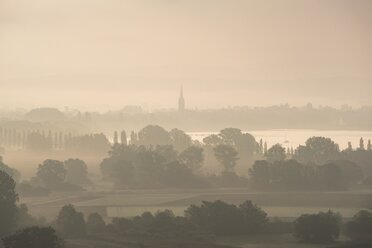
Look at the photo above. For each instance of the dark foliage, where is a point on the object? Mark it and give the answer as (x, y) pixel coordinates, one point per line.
(8, 207)
(317, 228)
(34, 237)
(52, 175)
(95, 224)
(70, 223)
(141, 167)
(10, 171)
(294, 176)
(88, 144)
(360, 227)
(163, 224)
(222, 218)
(76, 172)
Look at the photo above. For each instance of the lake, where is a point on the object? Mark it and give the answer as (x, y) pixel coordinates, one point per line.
(293, 138)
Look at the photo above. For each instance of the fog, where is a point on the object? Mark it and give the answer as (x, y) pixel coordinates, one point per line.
(188, 123)
(225, 53)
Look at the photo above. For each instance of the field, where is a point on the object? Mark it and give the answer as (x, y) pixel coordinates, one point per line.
(271, 241)
(126, 203)
(257, 241)
(123, 242)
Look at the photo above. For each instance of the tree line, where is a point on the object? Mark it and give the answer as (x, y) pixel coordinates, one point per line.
(18, 229)
(154, 157)
(45, 141)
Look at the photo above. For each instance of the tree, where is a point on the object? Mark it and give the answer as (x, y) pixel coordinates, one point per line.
(219, 217)
(260, 174)
(10, 171)
(361, 144)
(123, 138)
(76, 172)
(34, 237)
(317, 228)
(116, 138)
(166, 152)
(90, 144)
(121, 225)
(231, 136)
(60, 141)
(261, 147)
(24, 219)
(153, 135)
(55, 141)
(51, 173)
(38, 143)
(317, 150)
(265, 148)
(227, 156)
(369, 146)
(164, 221)
(349, 146)
(146, 167)
(331, 177)
(360, 227)
(253, 216)
(244, 143)
(192, 157)
(70, 223)
(133, 138)
(8, 201)
(276, 153)
(351, 172)
(95, 224)
(50, 139)
(119, 167)
(180, 140)
(212, 140)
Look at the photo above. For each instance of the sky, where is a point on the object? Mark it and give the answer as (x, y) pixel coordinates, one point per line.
(104, 54)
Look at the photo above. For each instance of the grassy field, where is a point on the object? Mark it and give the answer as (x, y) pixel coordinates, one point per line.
(256, 241)
(271, 241)
(126, 203)
(122, 242)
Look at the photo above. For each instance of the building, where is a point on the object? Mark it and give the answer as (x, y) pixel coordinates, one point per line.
(181, 101)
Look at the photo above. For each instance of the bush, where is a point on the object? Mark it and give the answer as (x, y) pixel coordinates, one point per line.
(360, 227)
(70, 223)
(222, 218)
(10, 171)
(163, 224)
(95, 224)
(317, 228)
(34, 237)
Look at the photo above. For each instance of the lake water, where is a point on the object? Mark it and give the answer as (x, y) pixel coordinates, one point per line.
(294, 138)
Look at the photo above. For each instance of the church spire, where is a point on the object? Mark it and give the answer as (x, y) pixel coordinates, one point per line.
(181, 101)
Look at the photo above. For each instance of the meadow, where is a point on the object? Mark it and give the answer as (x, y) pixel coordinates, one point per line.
(127, 203)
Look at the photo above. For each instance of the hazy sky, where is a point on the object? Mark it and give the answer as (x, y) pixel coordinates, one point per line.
(101, 54)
